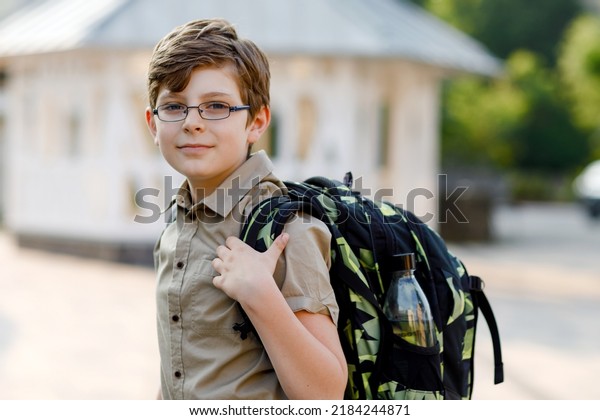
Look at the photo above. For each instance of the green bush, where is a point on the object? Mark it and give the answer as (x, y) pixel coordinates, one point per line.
(530, 186)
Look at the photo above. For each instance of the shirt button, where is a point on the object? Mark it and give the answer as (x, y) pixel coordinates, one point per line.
(178, 374)
(175, 318)
(180, 264)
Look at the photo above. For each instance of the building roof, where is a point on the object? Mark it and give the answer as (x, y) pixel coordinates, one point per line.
(373, 28)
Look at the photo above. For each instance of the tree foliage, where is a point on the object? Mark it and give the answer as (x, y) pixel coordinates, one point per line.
(547, 140)
(523, 120)
(479, 120)
(508, 25)
(579, 67)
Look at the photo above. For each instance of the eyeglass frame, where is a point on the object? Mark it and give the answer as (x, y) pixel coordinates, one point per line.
(187, 110)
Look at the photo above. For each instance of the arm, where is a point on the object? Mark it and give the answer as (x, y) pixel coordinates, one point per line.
(303, 347)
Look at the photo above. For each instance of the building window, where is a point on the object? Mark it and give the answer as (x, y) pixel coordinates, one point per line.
(75, 134)
(3, 78)
(383, 137)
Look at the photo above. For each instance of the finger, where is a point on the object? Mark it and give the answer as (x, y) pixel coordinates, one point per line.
(218, 281)
(217, 264)
(222, 251)
(233, 242)
(277, 246)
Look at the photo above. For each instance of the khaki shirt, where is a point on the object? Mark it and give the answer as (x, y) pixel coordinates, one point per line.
(202, 357)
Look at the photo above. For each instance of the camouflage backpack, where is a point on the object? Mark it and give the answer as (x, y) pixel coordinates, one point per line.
(365, 234)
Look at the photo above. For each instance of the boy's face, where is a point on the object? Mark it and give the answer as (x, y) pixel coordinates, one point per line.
(206, 151)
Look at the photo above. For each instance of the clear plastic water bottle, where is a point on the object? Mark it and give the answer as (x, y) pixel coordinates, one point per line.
(406, 305)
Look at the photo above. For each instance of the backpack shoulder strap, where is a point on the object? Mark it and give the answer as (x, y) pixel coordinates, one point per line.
(482, 302)
(267, 219)
(322, 199)
(265, 222)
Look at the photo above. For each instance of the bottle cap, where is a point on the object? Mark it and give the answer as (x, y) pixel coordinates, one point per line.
(401, 262)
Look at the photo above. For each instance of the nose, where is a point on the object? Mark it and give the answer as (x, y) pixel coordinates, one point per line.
(193, 121)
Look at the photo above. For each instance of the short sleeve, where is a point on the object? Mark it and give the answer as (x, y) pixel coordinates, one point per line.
(303, 270)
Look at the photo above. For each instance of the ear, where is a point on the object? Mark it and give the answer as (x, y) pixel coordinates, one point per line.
(151, 123)
(259, 124)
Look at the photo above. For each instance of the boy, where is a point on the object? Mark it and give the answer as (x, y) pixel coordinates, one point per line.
(209, 102)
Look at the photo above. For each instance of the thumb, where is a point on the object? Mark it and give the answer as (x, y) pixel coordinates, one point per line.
(277, 246)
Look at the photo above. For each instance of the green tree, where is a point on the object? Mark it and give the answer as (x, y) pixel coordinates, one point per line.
(515, 121)
(547, 140)
(505, 26)
(522, 123)
(579, 66)
(479, 120)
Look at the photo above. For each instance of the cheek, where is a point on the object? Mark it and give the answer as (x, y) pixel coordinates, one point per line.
(165, 134)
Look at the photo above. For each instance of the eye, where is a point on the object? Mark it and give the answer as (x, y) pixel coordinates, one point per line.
(215, 106)
(174, 107)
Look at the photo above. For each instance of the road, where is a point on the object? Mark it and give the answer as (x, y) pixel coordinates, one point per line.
(72, 328)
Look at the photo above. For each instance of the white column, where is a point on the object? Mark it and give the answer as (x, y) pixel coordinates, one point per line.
(414, 146)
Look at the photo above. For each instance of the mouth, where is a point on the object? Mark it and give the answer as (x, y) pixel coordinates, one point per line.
(194, 147)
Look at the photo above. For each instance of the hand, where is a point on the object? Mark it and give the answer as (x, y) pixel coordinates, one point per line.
(243, 271)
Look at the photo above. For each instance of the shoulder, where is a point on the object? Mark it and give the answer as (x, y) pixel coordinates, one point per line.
(303, 275)
(309, 238)
(305, 224)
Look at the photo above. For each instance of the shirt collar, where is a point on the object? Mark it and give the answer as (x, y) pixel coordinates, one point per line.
(231, 191)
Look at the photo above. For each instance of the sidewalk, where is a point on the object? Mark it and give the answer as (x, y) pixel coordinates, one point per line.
(549, 332)
(543, 280)
(72, 328)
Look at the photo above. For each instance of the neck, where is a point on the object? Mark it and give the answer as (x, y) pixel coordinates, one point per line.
(197, 193)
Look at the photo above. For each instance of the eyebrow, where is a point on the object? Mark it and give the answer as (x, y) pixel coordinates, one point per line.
(204, 97)
(216, 94)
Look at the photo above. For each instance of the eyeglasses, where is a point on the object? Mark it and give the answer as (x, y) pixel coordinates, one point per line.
(214, 110)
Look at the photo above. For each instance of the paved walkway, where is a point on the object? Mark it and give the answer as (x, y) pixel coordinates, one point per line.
(73, 328)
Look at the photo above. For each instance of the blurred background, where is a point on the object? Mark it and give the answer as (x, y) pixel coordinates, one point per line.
(491, 106)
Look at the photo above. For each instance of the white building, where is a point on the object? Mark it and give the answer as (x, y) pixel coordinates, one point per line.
(355, 86)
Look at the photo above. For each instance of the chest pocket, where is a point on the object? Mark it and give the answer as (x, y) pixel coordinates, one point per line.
(208, 310)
